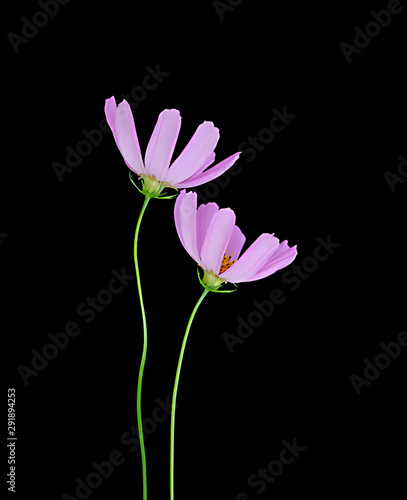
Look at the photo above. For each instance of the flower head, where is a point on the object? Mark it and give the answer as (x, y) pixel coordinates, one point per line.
(188, 170)
(213, 240)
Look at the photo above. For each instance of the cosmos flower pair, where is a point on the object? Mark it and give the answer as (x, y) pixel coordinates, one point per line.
(209, 234)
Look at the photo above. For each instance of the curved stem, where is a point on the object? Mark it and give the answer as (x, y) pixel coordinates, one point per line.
(143, 356)
(174, 395)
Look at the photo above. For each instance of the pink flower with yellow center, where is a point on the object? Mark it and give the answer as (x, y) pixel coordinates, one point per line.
(188, 170)
(213, 240)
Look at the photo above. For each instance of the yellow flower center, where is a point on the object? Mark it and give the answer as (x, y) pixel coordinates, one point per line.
(226, 262)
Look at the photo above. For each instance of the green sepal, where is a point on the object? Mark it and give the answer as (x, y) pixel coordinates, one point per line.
(170, 197)
(149, 195)
(134, 184)
(212, 288)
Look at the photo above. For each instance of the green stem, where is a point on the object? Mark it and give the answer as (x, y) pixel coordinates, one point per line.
(143, 356)
(174, 395)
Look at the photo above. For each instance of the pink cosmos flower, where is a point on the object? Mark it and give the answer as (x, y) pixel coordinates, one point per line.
(191, 166)
(212, 239)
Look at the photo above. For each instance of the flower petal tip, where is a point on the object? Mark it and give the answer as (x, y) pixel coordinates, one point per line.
(171, 111)
(210, 124)
(123, 105)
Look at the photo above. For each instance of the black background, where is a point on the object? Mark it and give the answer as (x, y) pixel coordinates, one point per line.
(322, 176)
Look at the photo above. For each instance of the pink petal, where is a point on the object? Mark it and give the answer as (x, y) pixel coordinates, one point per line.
(127, 138)
(280, 259)
(161, 146)
(282, 248)
(205, 165)
(212, 173)
(216, 239)
(208, 162)
(197, 151)
(110, 112)
(236, 243)
(252, 260)
(185, 222)
(204, 216)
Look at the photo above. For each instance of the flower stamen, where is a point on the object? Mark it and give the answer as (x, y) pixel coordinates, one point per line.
(227, 262)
